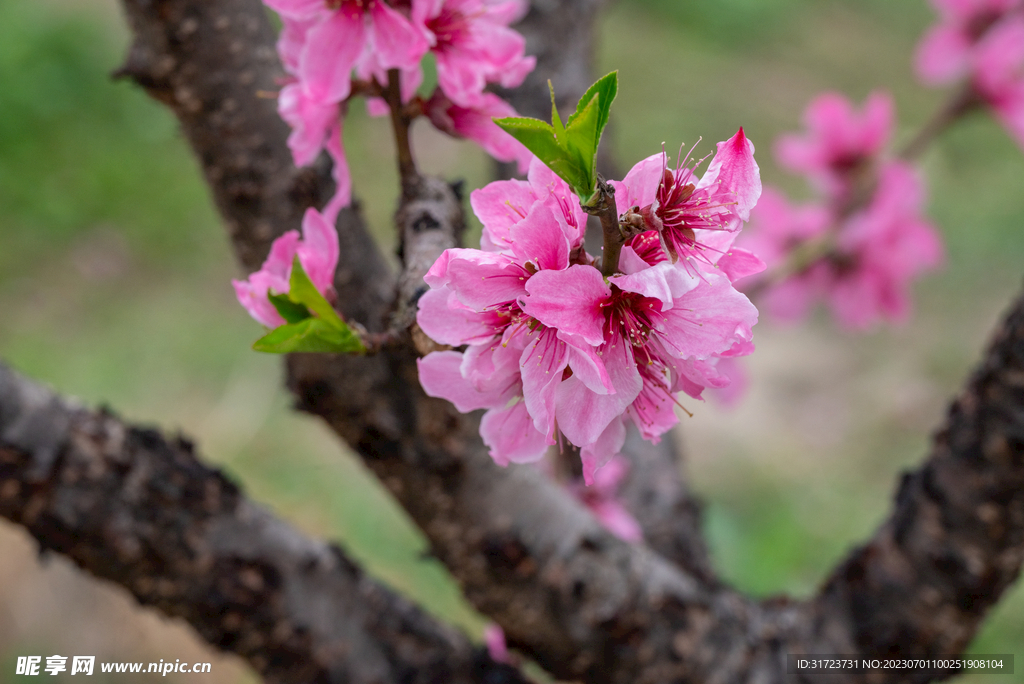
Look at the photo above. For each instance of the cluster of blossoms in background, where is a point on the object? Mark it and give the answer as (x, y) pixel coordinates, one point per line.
(866, 238)
(333, 49)
(553, 349)
(981, 41)
(861, 245)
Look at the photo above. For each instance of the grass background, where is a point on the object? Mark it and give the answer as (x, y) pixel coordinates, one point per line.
(114, 287)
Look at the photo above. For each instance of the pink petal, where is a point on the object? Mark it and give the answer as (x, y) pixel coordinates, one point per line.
(440, 377)
(602, 450)
(640, 186)
(318, 252)
(586, 365)
(739, 263)
(494, 638)
(510, 434)
(499, 206)
(539, 239)
(941, 55)
(707, 319)
(615, 518)
(296, 9)
(999, 57)
(331, 51)
(342, 178)
(665, 282)
(493, 364)
(582, 414)
(396, 43)
(252, 295)
(569, 300)
(311, 120)
(446, 320)
(483, 279)
(282, 254)
(542, 364)
(736, 173)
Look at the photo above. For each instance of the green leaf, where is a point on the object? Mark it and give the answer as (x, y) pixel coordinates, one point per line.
(303, 291)
(581, 137)
(556, 120)
(570, 150)
(289, 310)
(607, 87)
(539, 138)
(310, 335)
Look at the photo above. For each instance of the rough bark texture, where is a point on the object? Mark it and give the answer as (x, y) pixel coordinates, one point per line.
(658, 496)
(955, 540)
(131, 506)
(584, 604)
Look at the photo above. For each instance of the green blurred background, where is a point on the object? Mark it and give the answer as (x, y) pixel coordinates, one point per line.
(114, 287)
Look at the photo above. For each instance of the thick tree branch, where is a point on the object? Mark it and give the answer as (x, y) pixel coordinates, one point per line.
(130, 506)
(659, 498)
(955, 540)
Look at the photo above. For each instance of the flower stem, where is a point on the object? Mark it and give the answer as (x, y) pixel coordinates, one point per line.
(400, 122)
(962, 103)
(604, 208)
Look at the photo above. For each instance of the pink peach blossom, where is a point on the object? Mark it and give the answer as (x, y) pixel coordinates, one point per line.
(476, 123)
(882, 250)
(839, 141)
(698, 218)
(474, 46)
(552, 346)
(945, 52)
(602, 498)
(317, 251)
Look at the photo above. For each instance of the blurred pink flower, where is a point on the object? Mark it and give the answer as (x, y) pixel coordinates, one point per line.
(946, 51)
(317, 251)
(602, 498)
(494, 640)
(882, 250)
(982, 40)
(877, 252)
(839, 141)
(474, 45)
(476, 123)
(776, 229)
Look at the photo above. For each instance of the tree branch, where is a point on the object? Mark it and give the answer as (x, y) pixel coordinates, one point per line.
(955, 540)
(658, 496)
(130, 506)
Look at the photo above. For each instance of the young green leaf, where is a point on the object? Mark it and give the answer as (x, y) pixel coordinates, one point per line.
(303, 291)
(309, 335)
(556, 120)
(570, 150)
(607, 87)
(539, 138)
(289, 310)
(581, 137)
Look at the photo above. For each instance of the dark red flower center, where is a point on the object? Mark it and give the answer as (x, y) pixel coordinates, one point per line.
(630, 315)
